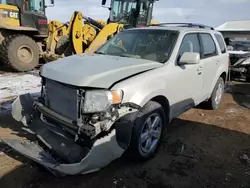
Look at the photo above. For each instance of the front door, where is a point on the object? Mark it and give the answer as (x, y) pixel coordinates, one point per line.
(187, 79)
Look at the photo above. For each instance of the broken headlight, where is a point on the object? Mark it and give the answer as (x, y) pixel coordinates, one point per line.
(101, 100)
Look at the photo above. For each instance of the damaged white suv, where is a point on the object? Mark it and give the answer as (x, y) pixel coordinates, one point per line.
(94, 107)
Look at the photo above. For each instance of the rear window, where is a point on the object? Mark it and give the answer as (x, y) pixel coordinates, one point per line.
(221, 43)
(209, 48)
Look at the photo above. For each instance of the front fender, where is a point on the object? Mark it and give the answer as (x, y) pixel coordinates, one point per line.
(142, 99)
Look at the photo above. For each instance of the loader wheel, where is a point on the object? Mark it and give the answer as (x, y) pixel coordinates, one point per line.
(62, 45)
(19, 52)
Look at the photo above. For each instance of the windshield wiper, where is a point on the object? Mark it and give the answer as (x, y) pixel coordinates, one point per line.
(100, 53)
(130, 56)
(123, 55)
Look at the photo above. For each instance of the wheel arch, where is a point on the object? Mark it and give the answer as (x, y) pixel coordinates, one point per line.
(163, 101)
(124, 125)
(224, 76)
(32, 33)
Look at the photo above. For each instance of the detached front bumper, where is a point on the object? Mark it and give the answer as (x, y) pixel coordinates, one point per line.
(104, 151)
(80, 160)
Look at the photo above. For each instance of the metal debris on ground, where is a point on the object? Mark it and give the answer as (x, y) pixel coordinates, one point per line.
(245, 159)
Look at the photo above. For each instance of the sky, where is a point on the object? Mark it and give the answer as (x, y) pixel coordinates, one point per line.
(209, 12)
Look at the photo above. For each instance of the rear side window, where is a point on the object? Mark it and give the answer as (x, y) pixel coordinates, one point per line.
(221, 43)
(209, 48)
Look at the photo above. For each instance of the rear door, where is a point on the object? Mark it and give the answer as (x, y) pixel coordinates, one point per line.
(224, 56)
(210, 60)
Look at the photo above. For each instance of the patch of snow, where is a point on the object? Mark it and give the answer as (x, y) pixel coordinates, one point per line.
(13, 85)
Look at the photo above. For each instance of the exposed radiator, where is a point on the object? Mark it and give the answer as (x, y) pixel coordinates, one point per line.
(62, 99)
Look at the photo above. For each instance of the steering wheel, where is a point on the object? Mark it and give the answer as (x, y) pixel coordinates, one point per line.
(118, 49)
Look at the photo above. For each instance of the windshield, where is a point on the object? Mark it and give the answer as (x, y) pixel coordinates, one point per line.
(122, 9)
(27, 5)
(126, 11)
(36, 6)
(154, 45)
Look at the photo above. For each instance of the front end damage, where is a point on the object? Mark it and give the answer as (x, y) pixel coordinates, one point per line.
(67, 141)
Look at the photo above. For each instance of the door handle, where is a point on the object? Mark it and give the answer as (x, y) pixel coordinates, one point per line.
(199, 69)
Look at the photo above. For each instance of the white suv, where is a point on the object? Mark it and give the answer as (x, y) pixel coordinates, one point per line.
(93, 107)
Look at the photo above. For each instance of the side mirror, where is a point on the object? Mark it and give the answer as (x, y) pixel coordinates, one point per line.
(189, 58)
(104, 2)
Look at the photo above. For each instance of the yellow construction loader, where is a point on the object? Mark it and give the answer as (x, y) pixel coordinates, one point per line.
(85, 35)
(23, 30)
(26, 35)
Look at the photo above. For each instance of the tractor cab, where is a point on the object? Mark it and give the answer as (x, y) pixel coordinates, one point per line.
(36, 6)
(24, 13)
(131, 13)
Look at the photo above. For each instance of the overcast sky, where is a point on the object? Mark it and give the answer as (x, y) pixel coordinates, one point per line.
(210, 12)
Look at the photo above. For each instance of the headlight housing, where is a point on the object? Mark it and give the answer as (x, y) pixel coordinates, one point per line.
(100, 100)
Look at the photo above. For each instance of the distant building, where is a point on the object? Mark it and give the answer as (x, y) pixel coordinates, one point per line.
(236, 30)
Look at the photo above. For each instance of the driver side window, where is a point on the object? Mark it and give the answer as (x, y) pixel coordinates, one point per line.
(190, 43)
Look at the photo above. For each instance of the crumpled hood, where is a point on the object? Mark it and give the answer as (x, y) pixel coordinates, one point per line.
(95, 70)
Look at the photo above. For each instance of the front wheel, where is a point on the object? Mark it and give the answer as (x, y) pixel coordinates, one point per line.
(147, 131)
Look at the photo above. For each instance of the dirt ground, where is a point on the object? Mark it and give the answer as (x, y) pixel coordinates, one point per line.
(202, 148)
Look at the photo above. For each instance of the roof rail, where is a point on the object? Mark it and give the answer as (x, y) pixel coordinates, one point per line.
(184, 25)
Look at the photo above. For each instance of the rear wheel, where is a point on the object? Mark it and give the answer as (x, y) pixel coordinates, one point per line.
(19, 52)
(147, 131)
(216, 97)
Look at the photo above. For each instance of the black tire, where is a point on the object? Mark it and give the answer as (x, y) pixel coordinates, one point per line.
(211, 103)
(135, 149)
(9, 50)
(62, 44)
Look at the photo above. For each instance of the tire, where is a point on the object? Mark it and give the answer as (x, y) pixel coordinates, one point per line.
(62, 45)
(19, 52)
(137, 148)
(214, 103)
